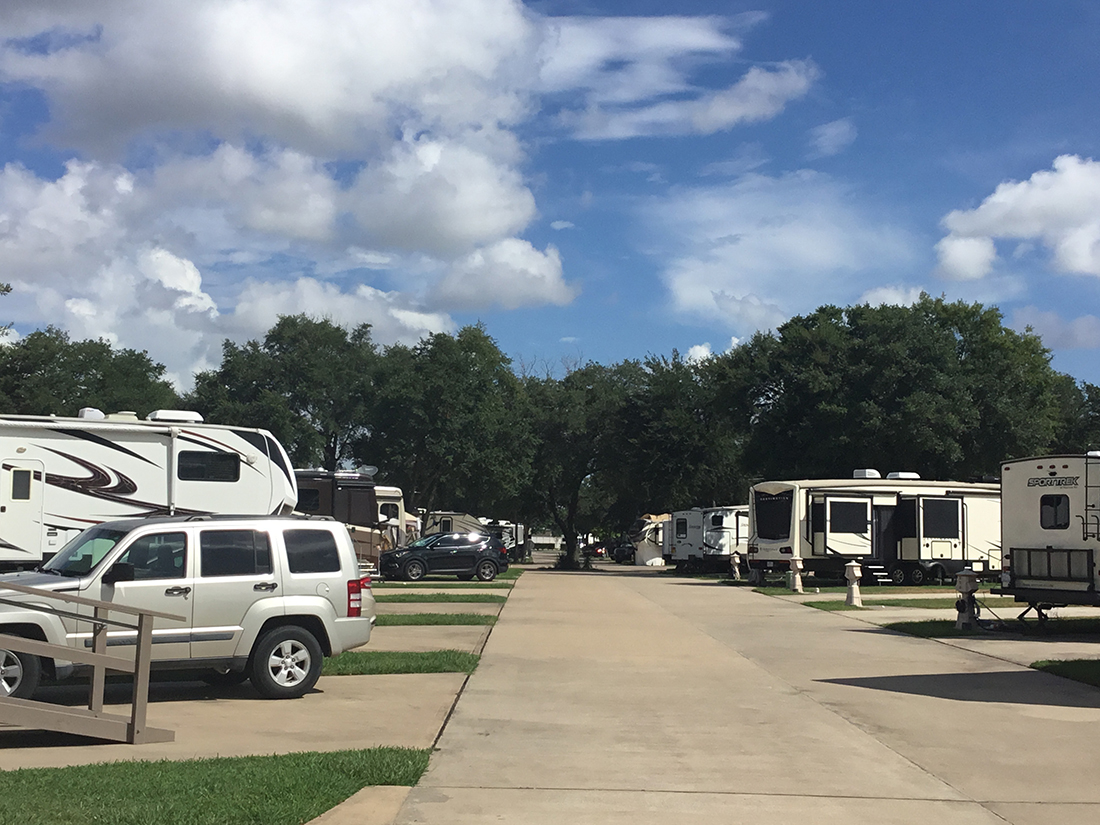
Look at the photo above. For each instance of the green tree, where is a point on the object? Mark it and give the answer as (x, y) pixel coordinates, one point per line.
(46, 373)
(310, 382)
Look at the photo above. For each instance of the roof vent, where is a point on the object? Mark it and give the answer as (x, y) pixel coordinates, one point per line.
(91, 413)
(866, 474)
(175, 416)
(904, 476)
(1093, 453)
(123, 415)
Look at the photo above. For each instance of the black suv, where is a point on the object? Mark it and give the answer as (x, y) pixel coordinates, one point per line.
(463, 554)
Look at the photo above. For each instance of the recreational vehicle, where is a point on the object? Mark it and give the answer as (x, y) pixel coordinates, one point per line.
(703, 539)
(61, 475)
(1050, 517)
(651, 538)
(900, 528)
(450, 521)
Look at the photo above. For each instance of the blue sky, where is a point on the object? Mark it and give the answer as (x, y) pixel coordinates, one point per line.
(592, 180)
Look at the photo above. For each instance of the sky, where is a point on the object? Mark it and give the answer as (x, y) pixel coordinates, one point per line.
(590, 179)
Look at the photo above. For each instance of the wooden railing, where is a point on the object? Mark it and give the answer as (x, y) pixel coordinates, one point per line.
(91, 721)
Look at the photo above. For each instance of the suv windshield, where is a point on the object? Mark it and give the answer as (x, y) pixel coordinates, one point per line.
(80, 556)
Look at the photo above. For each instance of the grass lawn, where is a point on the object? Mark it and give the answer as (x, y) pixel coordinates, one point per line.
(432, 584)
(373, 662)
(930, 604)
(272, 790)
(1080, 670)
(945, 628)
(388, 620)
(401, 598)
(511, 574)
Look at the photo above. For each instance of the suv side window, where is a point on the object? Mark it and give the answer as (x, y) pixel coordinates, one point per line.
(311, 551)
(159, 556)
(234, 553)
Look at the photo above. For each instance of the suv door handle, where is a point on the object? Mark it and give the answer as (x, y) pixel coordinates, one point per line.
(177, 591)
(265, 586)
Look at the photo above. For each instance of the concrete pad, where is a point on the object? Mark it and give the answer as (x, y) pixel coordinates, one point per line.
(376, 805)
(407, 608)
(342, 713)
(422, 638)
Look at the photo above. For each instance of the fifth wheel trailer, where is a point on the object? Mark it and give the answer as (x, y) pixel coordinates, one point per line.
(703, 539)
(1051, 530)
(900, 528)
(60, 475)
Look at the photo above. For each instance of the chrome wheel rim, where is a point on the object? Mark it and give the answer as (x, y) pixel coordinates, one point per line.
(11, 672)
(289, 663)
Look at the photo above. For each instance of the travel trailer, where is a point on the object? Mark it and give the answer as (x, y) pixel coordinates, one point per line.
(61, 475)
(900, 528)
(650, 536)
(1050, 521)
(450, 521)
(703, 539)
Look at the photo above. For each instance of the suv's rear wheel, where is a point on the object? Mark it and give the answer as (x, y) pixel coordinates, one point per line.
(486, 571)
(20, 674)
(286, 663)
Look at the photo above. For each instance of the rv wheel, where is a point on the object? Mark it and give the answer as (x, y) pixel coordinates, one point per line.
(897, 575)
(917, 576)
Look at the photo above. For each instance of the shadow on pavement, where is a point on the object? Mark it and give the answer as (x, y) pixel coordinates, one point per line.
(1022, 687)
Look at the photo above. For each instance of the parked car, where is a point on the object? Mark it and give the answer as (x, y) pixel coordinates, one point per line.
(621, 552)
(265, 598)
(462, 554)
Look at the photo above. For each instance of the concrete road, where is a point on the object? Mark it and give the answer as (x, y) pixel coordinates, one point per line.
(619, 698)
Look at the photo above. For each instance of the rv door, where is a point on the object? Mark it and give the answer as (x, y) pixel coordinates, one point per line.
(848, 526)
(21, 495)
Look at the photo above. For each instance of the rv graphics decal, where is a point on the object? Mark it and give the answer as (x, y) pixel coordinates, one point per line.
(1068, 481)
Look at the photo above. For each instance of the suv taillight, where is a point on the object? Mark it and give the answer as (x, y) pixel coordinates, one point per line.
(355, 596)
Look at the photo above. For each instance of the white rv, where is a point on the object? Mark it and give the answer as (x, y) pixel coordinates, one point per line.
(703, 539)
(61, 475)
(651, 539)
(1050, 517)
(899, 528)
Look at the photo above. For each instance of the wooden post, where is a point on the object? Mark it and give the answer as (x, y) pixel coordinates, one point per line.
(99, 673)
(141, 679)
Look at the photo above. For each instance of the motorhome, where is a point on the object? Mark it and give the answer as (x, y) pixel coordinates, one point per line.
(1050, 521)
(899, 528)
(704, 539)
(651, 539)
(61, 475)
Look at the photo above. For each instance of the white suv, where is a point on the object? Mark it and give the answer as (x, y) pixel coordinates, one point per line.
(266, 598)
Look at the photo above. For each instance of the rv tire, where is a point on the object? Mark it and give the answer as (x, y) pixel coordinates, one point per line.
(917, 576)
(897, 575)
(20, 674)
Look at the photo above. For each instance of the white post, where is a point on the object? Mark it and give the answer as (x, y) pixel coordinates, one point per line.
(966, 583)
(853, 572)
(796, 575)
(735, 566)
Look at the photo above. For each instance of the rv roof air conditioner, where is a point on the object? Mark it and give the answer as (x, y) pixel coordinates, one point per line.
(1093, 453)
(866, 474)
(91, 413)
(175, 416)
(904, 476)
(123, 415)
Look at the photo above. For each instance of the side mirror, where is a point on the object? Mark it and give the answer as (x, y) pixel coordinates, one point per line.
(121, 571)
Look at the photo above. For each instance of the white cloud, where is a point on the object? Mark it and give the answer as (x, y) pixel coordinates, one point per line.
(698, 352)
(560, 225)
(511, 274)
(1082, 332)
(891, 295)
(755, 251)
(830, 139)
(1057, 208)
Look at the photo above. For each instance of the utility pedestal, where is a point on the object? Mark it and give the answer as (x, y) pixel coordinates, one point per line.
(796, 575)
(735, 566)
(966, 583)
(853, 572)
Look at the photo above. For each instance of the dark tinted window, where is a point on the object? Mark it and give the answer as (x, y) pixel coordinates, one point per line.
(773, 514)
(20, 485)
(1054, 512)
(941, 519)
(847, 517)
(202, 466)
(311, 551)
(716, 520)
(389, 510)
(160, 556)
(681, 528)
(309, 501)
(234, 553)
(905, 518)
(445, 525)
(817, 517)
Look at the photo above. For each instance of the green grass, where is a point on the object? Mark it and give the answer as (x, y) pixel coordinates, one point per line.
(402, 598)
(945, 628)
(437, 585)
(511, 574)
(273, 790)
(395, 620)
(1080, 670)
(374, 662)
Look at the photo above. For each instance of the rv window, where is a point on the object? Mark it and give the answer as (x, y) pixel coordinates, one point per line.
(20, 485)
(309, 501)
(716, 520)
(681, 528)
(847, 517)
(311, 551)
(203, 466)
(160, 556)
(1054, 512)
(234, 553)
(389, 510)
(941, 518)
(905, 518)
(773, 514)
(445, 525)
